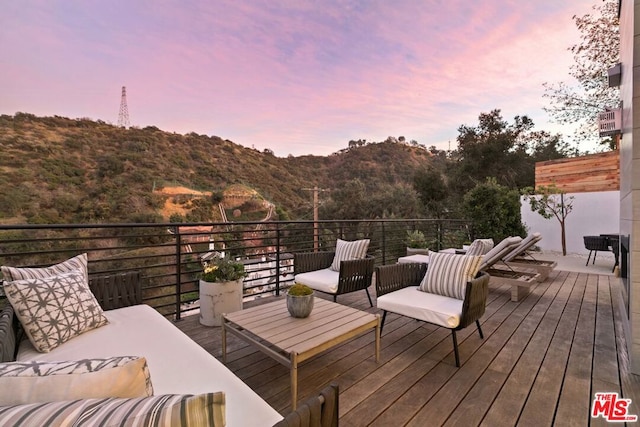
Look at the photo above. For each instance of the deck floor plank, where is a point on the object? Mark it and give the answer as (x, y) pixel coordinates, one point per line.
(540, 362)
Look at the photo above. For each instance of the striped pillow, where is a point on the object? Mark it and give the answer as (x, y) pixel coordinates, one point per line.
(163, 410)
(346, 251)
(448, 274)
(76, 263)
(32, 382)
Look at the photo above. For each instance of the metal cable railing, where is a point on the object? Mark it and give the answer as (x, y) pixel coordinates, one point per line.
(169, 255)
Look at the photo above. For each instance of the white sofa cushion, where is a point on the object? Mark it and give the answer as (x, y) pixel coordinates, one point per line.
(448, 274)
(346, 251)
(325, 280)
(178, 365)
(163, 410)
(54, 309)
(32, 382)
(432, 308)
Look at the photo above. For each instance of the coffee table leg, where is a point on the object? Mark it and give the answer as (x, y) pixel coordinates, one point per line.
(294, 380)
(224, 341)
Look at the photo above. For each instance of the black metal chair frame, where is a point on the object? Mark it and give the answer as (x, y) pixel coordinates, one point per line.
(355, 275)
(390, 278)
(595, 244)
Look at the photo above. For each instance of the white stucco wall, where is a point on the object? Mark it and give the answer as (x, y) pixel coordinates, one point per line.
(593, 214)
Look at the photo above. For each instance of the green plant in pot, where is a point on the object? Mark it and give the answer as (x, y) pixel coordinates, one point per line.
(300, 300)
(417, 243)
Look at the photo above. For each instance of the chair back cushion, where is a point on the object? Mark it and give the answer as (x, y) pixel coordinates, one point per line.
(346, 251)
(448, 274)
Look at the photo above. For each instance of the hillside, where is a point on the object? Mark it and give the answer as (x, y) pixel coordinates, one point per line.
(60, 170)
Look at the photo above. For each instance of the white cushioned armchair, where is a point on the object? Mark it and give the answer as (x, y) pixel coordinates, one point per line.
(313, 269)
(400, 289)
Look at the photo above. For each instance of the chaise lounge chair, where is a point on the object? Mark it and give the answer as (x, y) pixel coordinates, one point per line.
(520, 280)
(520, 257)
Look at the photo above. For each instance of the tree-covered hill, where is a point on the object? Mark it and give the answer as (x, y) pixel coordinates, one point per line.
(61, 170)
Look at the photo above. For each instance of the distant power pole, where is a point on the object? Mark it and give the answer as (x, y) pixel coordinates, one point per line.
(315, 190)
(123, 117)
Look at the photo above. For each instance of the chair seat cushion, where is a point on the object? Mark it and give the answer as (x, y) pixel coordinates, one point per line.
(325, 280)
(412, 302)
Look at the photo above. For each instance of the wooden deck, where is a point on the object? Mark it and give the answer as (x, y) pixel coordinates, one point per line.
(540, 363)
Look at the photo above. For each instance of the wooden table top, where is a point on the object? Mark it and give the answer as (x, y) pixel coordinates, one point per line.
(328, 324)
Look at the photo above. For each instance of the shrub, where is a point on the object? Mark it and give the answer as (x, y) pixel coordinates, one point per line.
(494, 211)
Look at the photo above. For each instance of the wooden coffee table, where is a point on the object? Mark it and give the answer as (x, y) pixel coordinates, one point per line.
(289, 340)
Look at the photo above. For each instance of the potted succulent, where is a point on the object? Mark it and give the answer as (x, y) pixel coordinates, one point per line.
(417, 243)
(300, 300)
(220, 289)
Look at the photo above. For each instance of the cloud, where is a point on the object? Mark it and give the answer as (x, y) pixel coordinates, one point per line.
(297, 77)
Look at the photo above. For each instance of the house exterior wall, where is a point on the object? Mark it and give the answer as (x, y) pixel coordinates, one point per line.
(630, 166)
(587, 218)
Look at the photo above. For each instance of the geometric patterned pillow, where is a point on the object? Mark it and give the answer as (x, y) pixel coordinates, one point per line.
(32, 382)
(76, 263)
(163, 410)
(54, 309)
(346, 251)
(448, 274)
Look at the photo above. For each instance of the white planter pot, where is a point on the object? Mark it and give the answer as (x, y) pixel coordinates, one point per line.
(218, 298)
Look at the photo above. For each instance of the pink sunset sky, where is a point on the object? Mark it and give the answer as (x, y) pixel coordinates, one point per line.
(298, 77)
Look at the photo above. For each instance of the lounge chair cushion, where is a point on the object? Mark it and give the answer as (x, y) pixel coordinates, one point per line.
(526, 244)
(432, 308)
(162, 410)
(480, 247)
(325, 280)
(40, 381)
(54, 309)
(448, 274)
(499, 251)
(346, 251)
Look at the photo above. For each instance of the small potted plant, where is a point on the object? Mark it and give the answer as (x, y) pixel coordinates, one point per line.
(300, 300)
(417, 243)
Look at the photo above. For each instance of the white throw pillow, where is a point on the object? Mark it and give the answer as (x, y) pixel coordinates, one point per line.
(54, 309)
(32, 382)
(448, 274)
(346, 251)
(163, 410)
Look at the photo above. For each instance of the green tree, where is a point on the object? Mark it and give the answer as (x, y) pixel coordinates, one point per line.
(494, 211)
(597, 51)
(550, 202)
(496, 149)
(432, 191)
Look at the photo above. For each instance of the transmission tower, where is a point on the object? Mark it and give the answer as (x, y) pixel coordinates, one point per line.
(123, 117)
